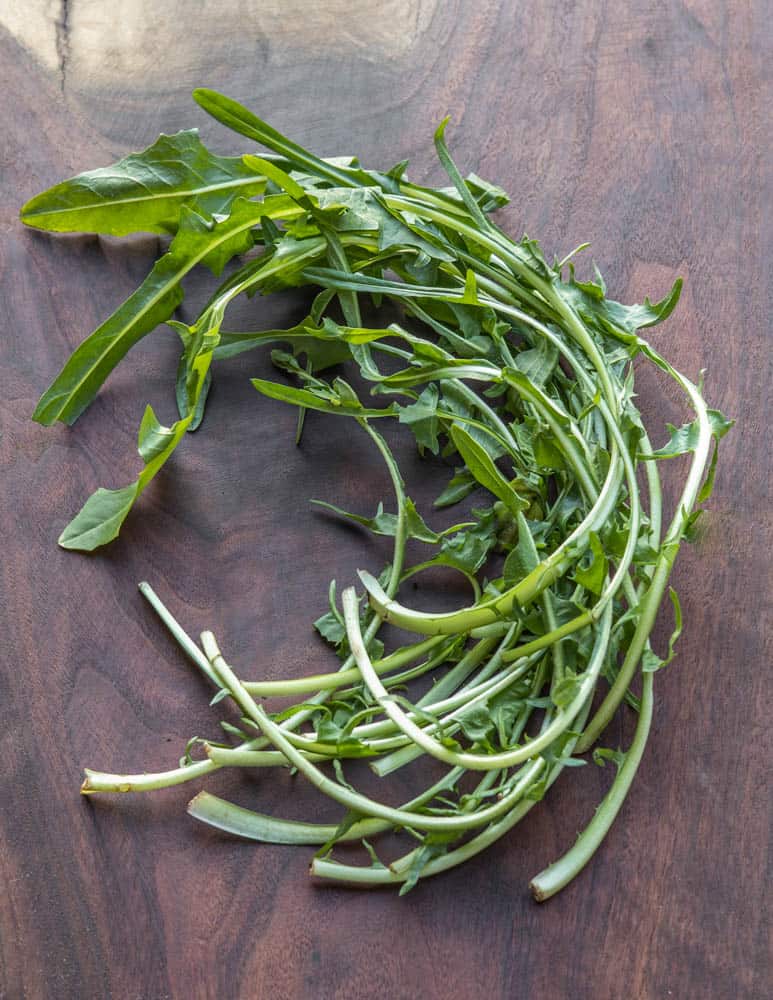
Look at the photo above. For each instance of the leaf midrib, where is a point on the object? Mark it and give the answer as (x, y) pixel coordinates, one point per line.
(242, 182)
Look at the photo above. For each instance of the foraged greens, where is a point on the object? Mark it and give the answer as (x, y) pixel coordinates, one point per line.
(509, 367)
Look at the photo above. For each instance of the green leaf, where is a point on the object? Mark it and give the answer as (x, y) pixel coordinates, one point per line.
(279, 177)
(153, 438)
(235, 116)
(567, 689)
(145, 192)
(524, 557)
(461, 485)
(363, 209)
(650, 661)
(470, 296)
(546, 452)
(333, 403)
(538, 363)
(100, 519)
(708, 484)
(375, 861)
(591, 571)
(602, 754)
(321, 347)
(386, 524)
(685, 438)
(154, 302)
(489, 196)
(478, 726)
(452, 170)
(456, 401)
(421, 417)
(482, 467)
(181, 394)
(585, 298)
(358, 208)
(330, 628)
(469, 549)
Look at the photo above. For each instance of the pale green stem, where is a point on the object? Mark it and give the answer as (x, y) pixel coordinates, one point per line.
(561, 872)
(345, 796)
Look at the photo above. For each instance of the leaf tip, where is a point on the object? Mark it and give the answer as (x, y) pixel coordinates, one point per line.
(202, 94)
(440, 130)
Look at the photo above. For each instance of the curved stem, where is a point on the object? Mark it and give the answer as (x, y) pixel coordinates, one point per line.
(651, 601)
(561, 872)
(345, 796)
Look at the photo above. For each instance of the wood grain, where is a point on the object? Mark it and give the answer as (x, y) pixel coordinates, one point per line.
(645, 128)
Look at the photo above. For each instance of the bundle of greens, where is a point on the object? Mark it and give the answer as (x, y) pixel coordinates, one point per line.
(509, 367)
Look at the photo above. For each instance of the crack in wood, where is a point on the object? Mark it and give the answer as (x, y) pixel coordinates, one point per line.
(63, 40)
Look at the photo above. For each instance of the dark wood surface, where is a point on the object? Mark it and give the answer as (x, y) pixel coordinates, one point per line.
(642, 127)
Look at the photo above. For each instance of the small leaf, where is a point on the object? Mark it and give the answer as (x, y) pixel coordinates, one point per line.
(650, 660)
(685, 438)
(483, 469)
(330, 628)
(602, 754)
(565, 691)
(470, 295)
(181, 395)
(375, 861)
(421, 417)
(313, 401)
(477, 726)
(461, 485)
(99, 520)
(591, 572)
(524, 557)
(386, 524)
(469, 549)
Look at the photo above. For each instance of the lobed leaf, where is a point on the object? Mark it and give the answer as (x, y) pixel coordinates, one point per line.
(197, 241)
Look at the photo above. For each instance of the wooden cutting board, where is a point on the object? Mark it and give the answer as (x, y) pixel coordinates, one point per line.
(644, 128)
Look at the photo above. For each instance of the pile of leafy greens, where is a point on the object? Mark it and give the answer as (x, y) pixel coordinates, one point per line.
(509, 367)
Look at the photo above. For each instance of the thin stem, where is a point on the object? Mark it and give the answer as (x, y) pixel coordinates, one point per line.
(345, 796)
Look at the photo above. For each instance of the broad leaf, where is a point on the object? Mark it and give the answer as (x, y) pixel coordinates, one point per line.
(469, 548)
(145, 192)
(99, 520)
(589, 301)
